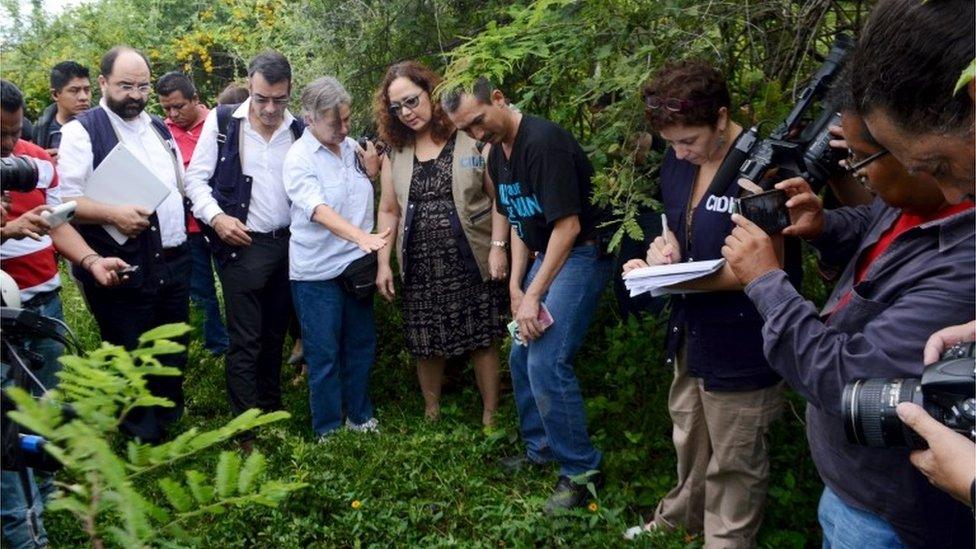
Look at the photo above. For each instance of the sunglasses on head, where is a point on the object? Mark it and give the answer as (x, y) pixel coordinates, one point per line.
(672, 104)
(410, 102)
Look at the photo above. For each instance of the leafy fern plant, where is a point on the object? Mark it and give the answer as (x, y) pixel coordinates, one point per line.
(107, 481)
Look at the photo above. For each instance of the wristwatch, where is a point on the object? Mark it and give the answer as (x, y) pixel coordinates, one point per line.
(500, 243)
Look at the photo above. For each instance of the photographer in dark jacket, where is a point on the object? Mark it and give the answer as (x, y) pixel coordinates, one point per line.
(71, 91)
(909, 60)
(910, 270)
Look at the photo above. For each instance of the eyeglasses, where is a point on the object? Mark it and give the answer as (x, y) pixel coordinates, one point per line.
(277, 101)
(409, 103)
(672, 104)
(129, 87)
(855, 166)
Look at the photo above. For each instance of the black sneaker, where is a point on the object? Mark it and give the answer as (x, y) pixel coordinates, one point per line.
(571, 495)
(516, 464)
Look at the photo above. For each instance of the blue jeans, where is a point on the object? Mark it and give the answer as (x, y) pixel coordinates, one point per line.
(339, 341)
(204, 295)
(547, 393)
(23, 528)
(846, 527)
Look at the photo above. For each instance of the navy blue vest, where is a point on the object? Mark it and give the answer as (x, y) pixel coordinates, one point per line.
(145, 250)
(722, 330)
(230, 186)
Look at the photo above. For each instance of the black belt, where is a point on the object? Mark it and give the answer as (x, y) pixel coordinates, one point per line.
(275, 234)
(170, 254)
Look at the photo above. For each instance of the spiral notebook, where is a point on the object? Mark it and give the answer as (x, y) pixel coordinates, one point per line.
(661, 279)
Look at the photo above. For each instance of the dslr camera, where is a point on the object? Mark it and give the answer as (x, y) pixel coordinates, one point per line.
(18, 173)
(945, 390)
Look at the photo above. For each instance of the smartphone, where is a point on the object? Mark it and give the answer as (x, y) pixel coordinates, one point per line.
(544, 318)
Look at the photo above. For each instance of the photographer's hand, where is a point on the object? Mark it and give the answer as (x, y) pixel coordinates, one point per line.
(948, 463)
(947, 337)
(750, 252)
(806, 209)
(30, 224)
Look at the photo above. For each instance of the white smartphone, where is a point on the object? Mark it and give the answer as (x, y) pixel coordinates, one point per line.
(60, 214)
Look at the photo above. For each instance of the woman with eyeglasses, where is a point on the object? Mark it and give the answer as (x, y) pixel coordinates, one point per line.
(450, 241)
(724, 395)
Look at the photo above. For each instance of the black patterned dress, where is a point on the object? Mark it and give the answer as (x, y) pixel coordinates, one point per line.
(447, 309)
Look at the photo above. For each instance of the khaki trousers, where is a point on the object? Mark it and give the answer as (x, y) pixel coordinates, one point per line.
(723, 464)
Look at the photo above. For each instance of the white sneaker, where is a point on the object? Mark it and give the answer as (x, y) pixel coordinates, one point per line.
(370, 426)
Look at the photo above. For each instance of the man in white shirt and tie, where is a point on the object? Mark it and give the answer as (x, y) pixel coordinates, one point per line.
(156, 293)
(235, 184)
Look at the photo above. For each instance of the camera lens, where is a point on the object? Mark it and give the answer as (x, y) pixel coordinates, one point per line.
(18, 173)
(869, 412)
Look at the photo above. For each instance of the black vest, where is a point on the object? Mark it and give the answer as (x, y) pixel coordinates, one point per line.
(145, 250)
(722, 330)
(230, 186)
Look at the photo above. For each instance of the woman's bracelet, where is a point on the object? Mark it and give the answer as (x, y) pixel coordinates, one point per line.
(500, 244)
(85, 264)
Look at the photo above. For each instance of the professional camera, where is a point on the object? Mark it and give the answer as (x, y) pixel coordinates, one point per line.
(946, 391)
(21, 450)
(18, 173)
(800, 145)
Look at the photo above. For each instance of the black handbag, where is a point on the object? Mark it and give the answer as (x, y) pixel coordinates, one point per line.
(359, 278)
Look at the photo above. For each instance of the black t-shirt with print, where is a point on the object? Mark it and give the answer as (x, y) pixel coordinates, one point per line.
(546, 178)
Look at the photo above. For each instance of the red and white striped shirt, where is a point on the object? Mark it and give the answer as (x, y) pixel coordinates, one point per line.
(31, 263)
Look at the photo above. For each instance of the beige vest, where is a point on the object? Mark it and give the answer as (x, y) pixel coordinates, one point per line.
(472, 204)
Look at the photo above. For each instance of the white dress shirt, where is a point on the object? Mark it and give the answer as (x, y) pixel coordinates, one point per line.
(75, 166)
(314, 175)
(268, 209)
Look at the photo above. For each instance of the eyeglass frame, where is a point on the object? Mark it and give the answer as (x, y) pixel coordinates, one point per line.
(683, 104)
(277, 101)
(854, 167)
(129, 87)
(396, 107)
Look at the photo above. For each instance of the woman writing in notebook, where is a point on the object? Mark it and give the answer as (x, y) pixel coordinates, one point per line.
(724, 395)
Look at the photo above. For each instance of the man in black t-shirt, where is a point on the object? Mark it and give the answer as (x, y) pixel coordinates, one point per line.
(542, 182)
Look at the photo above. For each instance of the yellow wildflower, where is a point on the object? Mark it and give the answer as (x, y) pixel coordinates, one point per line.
(356, 504)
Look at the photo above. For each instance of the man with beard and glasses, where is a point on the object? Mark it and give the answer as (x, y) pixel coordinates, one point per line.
(157, 293)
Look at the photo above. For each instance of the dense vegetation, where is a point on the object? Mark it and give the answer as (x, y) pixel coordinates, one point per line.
(577, 62)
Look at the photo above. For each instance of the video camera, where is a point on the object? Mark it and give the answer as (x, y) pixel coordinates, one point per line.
(945, 390)
(21, 450)
(799, 146)
(18, 173)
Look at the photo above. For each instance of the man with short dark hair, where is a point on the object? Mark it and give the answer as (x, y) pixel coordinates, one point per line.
(71, 91)
(916, 101)
(235, 184)
(185, 115)
(542, 180)
(157, 293)
(908, 61)
(27, 251)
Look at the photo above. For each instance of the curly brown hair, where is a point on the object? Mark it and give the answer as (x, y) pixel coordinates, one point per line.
(691, 80)
(394, 132)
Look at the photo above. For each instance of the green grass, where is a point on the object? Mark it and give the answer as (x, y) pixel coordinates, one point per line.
(436, 484)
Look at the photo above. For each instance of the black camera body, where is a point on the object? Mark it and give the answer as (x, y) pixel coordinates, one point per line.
(18, 173)
(799, 146)
(945, 390)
